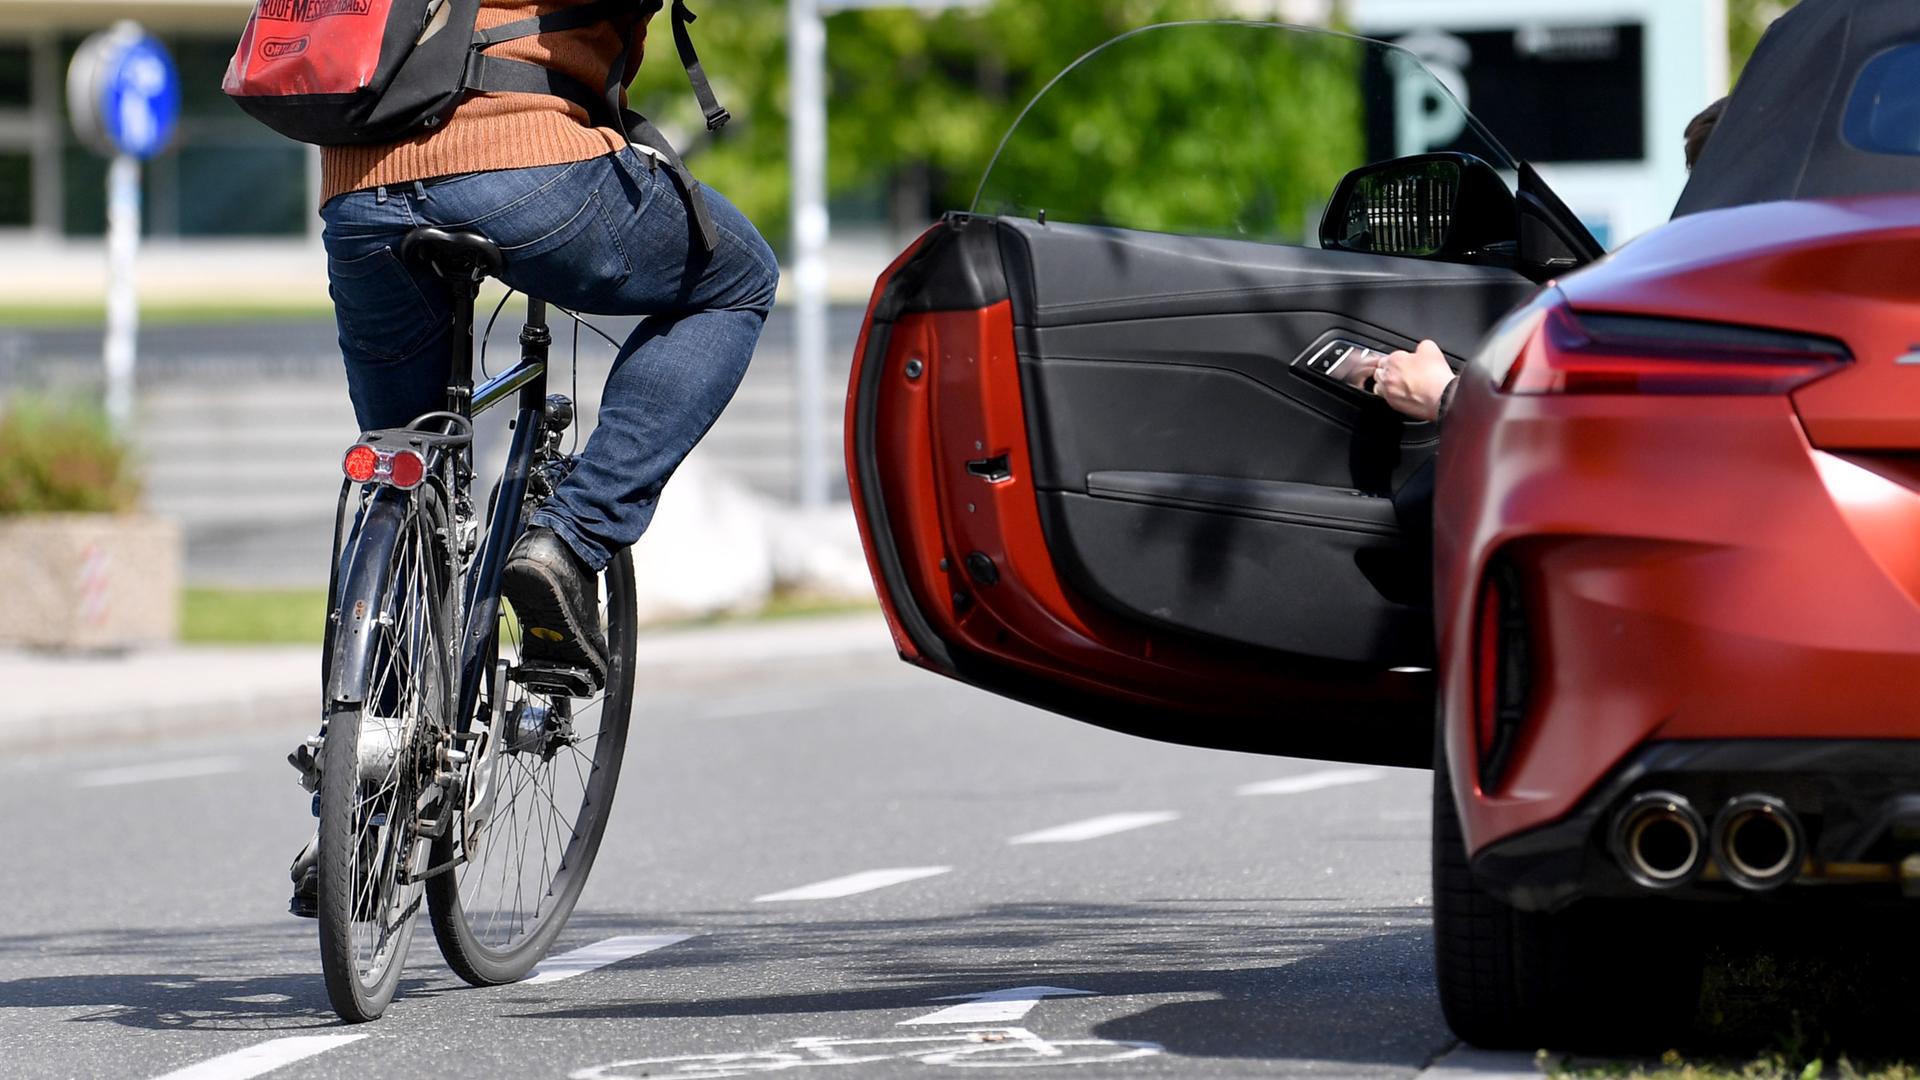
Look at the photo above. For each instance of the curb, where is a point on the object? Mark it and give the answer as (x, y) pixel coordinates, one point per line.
(179, 691)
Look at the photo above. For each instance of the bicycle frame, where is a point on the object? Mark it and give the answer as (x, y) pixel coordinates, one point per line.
(529, 380)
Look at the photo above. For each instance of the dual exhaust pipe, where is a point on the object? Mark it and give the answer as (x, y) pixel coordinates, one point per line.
(1662, 842)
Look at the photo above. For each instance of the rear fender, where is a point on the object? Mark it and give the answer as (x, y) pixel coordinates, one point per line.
(362, 597)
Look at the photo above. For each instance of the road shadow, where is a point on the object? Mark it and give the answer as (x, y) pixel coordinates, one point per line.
(1260, 978)
(203, 979)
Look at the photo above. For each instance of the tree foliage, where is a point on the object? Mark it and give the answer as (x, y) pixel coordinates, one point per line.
(1746, 21)
(918, 103)
(914, 99)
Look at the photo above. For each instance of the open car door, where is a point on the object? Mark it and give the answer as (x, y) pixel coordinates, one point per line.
(1099, 441)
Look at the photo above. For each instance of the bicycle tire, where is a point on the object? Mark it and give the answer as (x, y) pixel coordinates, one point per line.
(367, 913)
(466, 926)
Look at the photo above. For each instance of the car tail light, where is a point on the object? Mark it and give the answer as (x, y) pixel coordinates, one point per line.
(403, 469)
(1631, 354)
(1503, 674)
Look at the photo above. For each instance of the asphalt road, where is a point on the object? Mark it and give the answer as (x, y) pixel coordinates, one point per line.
(1209, 930)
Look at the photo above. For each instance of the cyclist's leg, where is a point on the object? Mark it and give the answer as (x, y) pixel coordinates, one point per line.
(675, 373)
(610, 235)
(392, 318)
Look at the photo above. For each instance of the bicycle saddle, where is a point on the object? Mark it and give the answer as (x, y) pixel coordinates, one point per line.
(452, 253)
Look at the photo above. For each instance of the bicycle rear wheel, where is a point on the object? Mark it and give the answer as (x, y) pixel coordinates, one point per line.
(378, 764)
(540, 788)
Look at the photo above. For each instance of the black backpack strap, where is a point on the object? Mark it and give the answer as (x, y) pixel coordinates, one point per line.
(716, 114)
(572, 18)
(497, 75)
(642, 131)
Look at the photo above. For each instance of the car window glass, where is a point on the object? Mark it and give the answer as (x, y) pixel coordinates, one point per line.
(1883, 114)
(1223, 129)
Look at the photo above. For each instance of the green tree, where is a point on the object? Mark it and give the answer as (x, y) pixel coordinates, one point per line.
(916, 102)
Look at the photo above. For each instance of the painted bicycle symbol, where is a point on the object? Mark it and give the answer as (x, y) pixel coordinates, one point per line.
(975, 1048)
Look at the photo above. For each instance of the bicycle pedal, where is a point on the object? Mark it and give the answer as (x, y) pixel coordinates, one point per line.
(566, 681)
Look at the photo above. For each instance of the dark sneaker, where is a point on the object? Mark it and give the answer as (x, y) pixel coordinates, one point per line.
(306, 881)
(557, 600)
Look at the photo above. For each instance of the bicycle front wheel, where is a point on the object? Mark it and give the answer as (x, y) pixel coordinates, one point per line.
(539, 791)
(378, 764)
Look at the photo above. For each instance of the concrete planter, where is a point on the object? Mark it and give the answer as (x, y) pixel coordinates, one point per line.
(89, 581)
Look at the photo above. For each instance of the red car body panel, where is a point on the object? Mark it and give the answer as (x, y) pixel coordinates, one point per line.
(1697, 567)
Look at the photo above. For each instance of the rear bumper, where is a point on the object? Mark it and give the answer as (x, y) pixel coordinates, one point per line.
(1692, 569)
(1857, 800)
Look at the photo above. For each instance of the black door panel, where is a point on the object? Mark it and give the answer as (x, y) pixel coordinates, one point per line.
(1319, 590)
(1062, 275)
(1190, 474)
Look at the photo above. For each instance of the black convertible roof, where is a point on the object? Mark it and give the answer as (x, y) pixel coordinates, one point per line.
(1782, 135)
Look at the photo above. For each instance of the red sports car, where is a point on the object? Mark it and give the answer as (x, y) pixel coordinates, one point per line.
(1667, 627)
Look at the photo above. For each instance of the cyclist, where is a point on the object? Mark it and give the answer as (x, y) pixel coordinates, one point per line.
(589, 223)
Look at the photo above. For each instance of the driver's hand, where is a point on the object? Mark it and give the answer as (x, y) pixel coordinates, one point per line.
(1412, 382)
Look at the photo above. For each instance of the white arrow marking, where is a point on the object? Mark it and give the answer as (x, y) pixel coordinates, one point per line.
(263, 1058)
(597, 956)
(1094, 828)
(1313, 781)
(993, 1007)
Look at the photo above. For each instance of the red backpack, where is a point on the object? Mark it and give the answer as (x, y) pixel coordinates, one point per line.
(349, 72)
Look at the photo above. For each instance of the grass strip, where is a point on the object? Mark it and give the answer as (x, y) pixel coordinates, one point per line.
(212, 616)
(1675, 1066)
(229, 616)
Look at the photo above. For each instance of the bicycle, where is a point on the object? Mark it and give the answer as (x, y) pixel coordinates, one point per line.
(449, 768)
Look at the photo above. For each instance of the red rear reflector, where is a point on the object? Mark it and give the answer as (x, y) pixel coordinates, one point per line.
(1628, 354)
(1486, 675)
(1502, 672)
(361, 463)
(406, 469)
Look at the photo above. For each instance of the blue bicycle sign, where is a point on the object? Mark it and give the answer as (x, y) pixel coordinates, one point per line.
(124, 93)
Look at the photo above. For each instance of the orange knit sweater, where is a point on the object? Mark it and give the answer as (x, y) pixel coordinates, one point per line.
(501, 131)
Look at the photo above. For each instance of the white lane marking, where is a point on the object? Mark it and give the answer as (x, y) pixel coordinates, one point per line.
(1313, 781)
(1466, 1061)
(264, 1058)
(598, 955)
(1094, 828)
(865, 881)
(159, 770)
(993, 1007)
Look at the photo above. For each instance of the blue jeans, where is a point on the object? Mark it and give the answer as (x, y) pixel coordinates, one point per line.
(607, 236)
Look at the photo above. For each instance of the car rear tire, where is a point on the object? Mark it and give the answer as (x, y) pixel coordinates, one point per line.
(1607, 975)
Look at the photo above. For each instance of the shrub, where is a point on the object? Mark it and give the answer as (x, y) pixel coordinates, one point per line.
(59, 458)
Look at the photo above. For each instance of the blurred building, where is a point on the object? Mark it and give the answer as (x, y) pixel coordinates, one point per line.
(228, 176)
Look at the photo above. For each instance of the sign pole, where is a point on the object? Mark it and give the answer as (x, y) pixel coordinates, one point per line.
(123, 95)
(123, 300)
(807, 132)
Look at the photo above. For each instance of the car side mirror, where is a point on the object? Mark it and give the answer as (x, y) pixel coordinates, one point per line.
(1450, 207)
